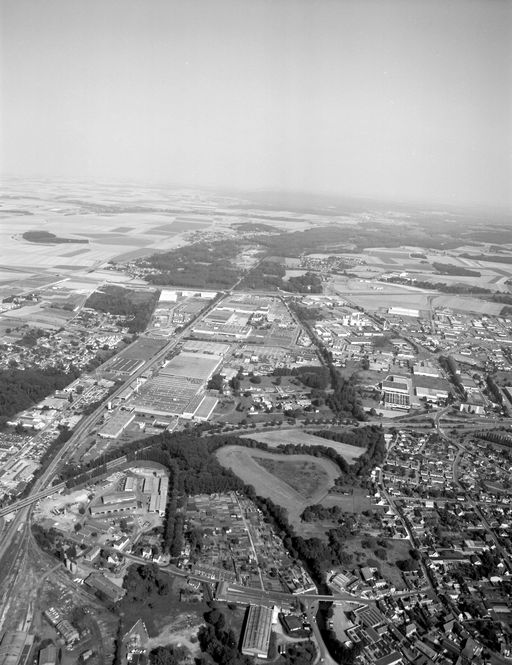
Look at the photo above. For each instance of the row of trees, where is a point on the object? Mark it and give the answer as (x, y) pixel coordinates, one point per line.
(495, 436)
(344, 399)
(450, 269)
(174, 520)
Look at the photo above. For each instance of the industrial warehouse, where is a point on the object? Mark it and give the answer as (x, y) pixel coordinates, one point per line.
(174, 391)
(257, 631)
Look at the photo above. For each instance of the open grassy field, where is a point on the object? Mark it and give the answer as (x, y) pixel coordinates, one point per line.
(355, 502)
(467, 304)
(372, 295)
(396, 550)
(158, 612)
(248, 464)
(305, 477)
(298, 437)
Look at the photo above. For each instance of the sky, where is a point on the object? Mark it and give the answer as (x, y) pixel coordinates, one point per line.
(397, 99)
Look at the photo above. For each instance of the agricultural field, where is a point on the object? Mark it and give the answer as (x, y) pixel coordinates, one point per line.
(488, 280)
(380, 295)
(467, 304)
(38, 315)
(311, 477)
(108, 219)
(298, 437)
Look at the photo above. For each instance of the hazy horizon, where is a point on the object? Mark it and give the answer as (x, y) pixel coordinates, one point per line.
(386, 100)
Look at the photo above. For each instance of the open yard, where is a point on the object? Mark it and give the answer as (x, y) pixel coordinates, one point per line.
(305, 477)
(355, 501)
(165, 614)
(313, 476)
(468, 304)
(395, 550)
(298, 437)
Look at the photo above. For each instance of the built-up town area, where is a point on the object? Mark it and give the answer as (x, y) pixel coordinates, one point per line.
(299, 451)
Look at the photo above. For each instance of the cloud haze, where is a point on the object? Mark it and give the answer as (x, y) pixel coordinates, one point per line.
(400, 99)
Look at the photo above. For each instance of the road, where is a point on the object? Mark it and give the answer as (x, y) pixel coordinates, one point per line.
(323, 654)
(40, 487)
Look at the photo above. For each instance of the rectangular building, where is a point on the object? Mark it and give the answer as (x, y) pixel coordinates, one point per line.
(112, 508)
(397, 391)
(108, 589)
(48, 655)
(15, 647)
(257, 631)
(115, 426)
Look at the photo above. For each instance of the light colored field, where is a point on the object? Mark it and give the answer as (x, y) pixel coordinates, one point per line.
(487, 279)
(305, 477)
(38, 315)
(243, 462)
(298, 437)
(105, 243)
(384, 301)
(467, 304)
(294, 273)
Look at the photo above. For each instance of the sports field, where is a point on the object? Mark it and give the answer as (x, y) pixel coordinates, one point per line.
(298, 437)
(290, 481)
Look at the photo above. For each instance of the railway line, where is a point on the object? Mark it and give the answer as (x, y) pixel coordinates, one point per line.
(42, 486)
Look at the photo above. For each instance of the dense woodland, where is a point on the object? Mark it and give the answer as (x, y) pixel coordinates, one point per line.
(316, 377)
(218, 642)
(116, 300)
(355, 237)
(450, 269)
(458, 289)
(22, 388)
(492, 258)
(269, 275)
(203, 265)
(45, 237)
(344, 399)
